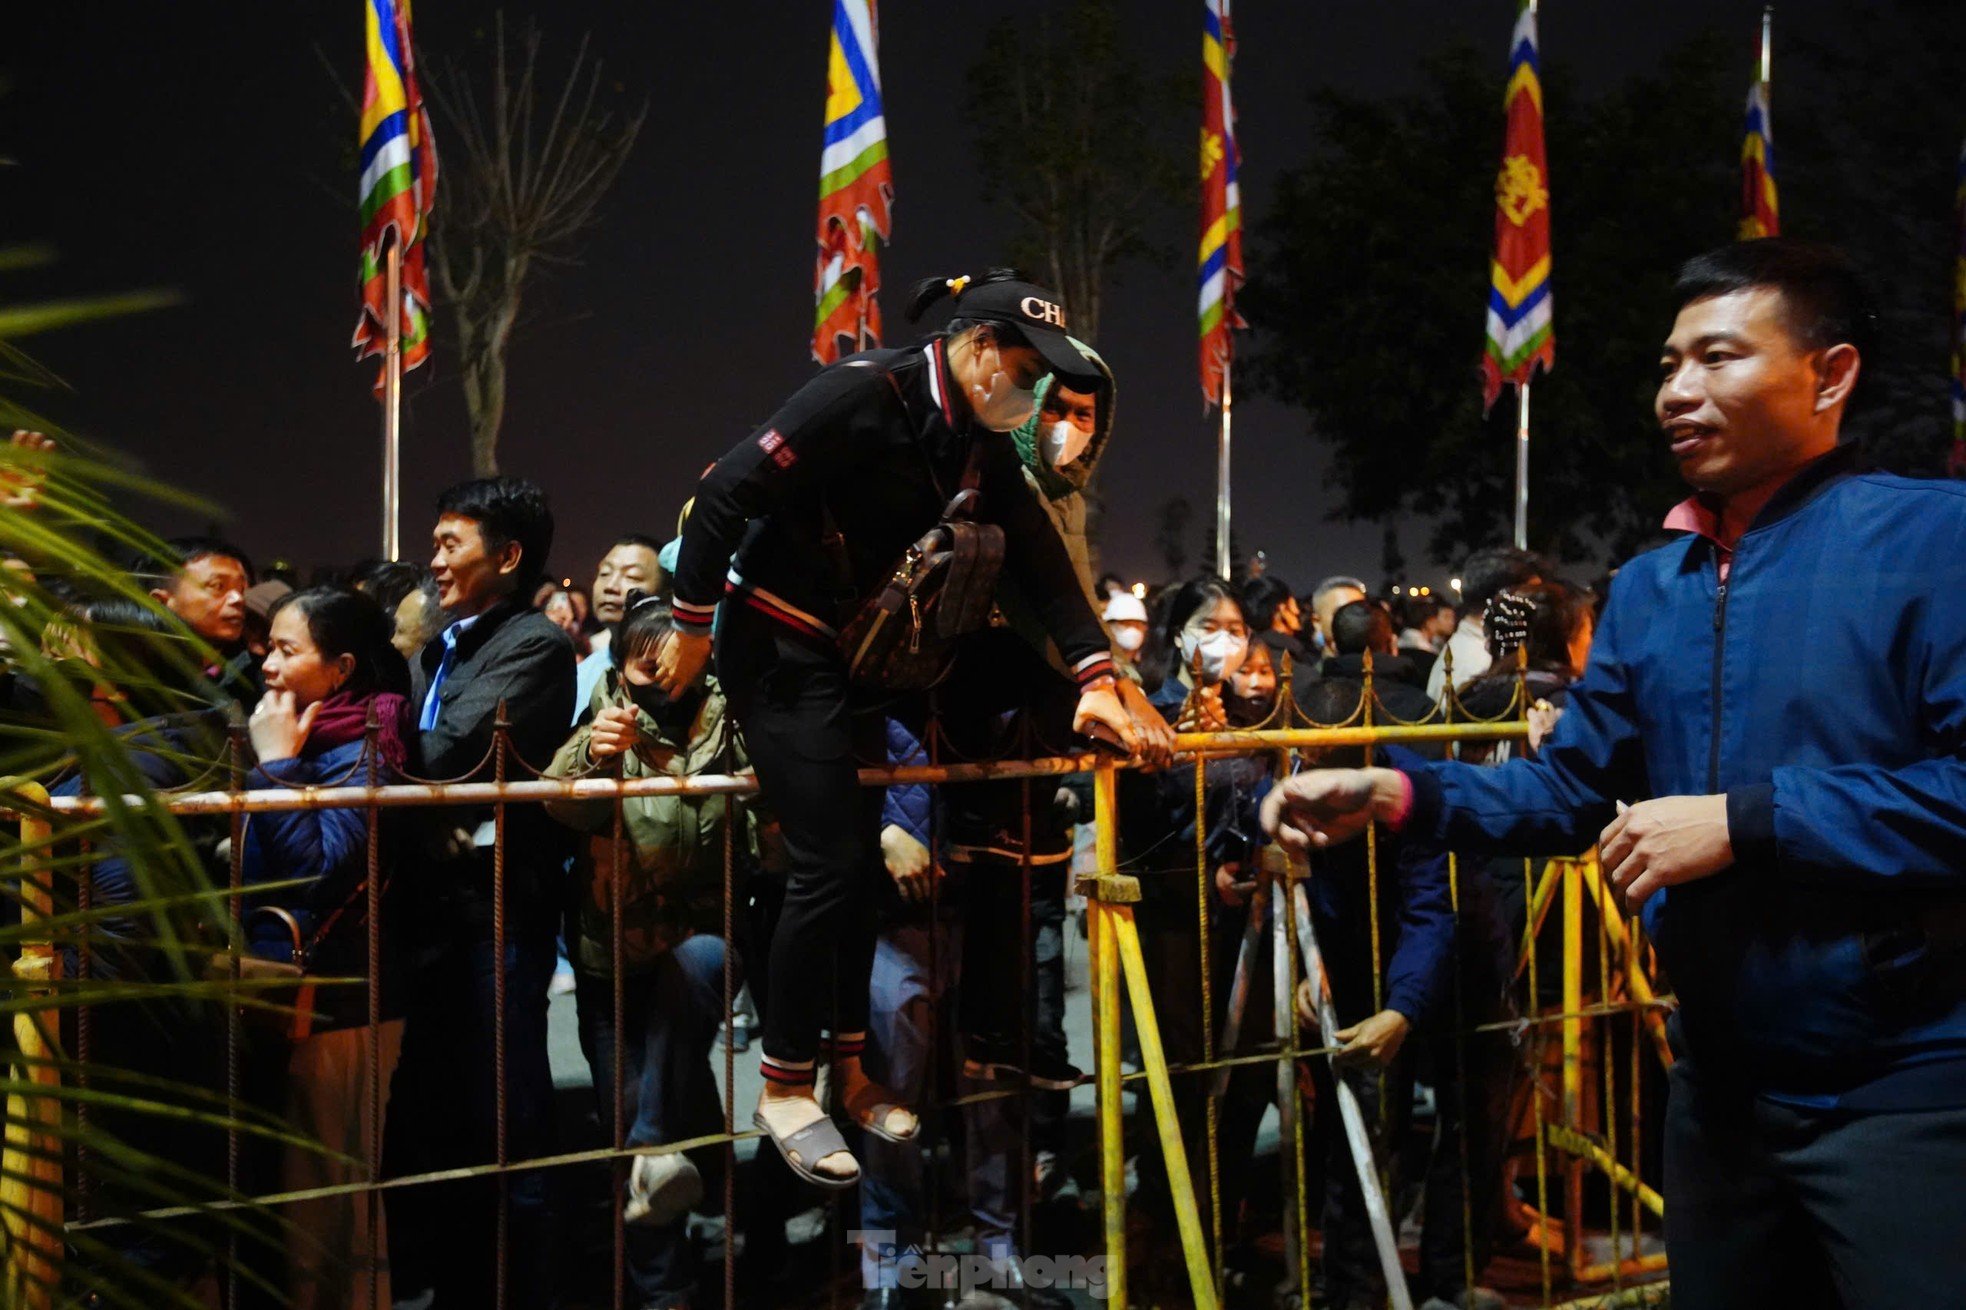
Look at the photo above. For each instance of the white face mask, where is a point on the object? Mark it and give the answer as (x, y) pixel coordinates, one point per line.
(1129, 638)
(1001, 405)
(1221, 653)
(1064, 443)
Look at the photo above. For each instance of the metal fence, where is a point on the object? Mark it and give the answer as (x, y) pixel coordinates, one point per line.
(1584, 1061)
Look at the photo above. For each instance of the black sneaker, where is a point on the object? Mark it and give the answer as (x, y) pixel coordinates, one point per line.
(1054, 1073)
(987, 1060)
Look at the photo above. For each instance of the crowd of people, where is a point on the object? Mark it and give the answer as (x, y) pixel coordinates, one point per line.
(895, 568)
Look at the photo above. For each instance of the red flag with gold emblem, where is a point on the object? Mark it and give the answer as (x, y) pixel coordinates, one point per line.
(1519, 334)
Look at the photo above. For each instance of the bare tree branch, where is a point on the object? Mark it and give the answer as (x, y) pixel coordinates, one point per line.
(522, 181)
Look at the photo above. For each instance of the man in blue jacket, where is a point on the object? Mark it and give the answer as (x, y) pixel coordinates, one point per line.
(1779, 697)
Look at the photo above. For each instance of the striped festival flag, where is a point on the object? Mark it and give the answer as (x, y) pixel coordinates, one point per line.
(1760, 210)
(1519, 335)
(856, 189)
(399, 184)
(1957, 464)
(1220, 272)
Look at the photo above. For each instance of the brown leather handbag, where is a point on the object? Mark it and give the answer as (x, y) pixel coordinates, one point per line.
(904, 638)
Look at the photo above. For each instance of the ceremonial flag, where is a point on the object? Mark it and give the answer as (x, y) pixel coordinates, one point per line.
(1760, 210)
(1519, 336)
(1220, 270)
(856, 189)
(399, 184)
(1957, 463)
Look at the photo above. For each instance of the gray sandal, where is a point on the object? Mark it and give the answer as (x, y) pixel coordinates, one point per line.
(875, 1118)
(814, 1143)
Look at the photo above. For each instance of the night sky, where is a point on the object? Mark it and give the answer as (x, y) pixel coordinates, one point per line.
(202, 148)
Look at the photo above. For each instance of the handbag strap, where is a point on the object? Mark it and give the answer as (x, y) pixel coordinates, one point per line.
(286, 918)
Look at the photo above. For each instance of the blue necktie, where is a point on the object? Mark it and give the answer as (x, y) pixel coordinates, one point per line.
(430, 701)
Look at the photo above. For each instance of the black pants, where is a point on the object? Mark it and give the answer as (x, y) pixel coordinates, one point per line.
(1771, 1205)
(443, 1113)
(996, 994)
(807, 731)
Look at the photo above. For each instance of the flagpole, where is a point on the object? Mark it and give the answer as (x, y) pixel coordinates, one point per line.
(1767, 23)
(1222, 480)
(392, 396)
(1522, 466)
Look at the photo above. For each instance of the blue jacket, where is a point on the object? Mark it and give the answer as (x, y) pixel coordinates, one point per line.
(327, 847)
(1416, 922)
(1823, 690)
(907, 806)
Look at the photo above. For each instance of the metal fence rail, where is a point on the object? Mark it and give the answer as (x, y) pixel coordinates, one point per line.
(1576, 1112)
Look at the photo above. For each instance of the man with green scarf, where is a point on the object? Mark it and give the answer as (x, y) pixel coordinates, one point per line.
(1060, 445)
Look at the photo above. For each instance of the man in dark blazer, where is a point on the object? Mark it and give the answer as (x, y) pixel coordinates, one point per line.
(494, 655)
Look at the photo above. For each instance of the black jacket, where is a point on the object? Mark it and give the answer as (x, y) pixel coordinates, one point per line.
(878, 443)
(1333, 696)
(519, 657)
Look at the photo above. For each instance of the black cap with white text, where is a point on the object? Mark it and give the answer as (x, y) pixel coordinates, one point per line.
(1038, 314)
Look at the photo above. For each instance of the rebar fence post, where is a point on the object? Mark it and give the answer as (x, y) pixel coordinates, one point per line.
(235, 904)
(620, 1167)
(501, 748)
(377, 1258)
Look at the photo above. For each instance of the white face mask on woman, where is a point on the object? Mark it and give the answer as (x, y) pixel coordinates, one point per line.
(1064, 442)
(1001, 405)
(1221, 653)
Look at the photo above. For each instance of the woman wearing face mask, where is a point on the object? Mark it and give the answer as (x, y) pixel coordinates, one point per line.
(672, 948)
(1198, 643)
(818, 507)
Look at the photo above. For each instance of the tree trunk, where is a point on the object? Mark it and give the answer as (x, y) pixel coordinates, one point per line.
(484, 397)
(483, 344)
